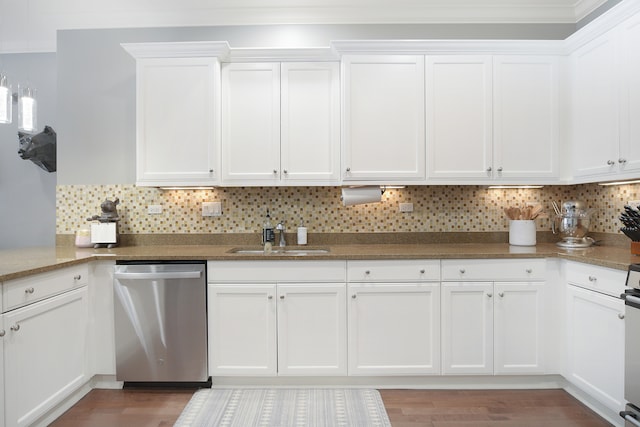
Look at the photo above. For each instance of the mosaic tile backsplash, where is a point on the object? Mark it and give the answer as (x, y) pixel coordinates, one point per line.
(435, 208)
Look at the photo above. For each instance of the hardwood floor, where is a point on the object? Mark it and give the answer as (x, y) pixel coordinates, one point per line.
(406, 408)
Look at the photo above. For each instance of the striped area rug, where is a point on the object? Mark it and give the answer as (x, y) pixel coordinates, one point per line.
(284, 407)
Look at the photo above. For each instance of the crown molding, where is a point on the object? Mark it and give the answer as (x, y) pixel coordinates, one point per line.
(427, 47)
(605, 22)
(177, 49)
(283, 54)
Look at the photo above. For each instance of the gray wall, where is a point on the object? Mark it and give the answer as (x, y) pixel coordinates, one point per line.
(27, 193)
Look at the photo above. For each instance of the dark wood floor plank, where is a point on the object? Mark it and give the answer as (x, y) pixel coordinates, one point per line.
(406, 408)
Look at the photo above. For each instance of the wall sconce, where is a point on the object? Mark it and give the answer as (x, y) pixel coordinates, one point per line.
(27, 105)
(27, 109)
(6, 100)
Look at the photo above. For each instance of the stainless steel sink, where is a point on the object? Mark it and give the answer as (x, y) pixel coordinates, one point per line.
(280, 251)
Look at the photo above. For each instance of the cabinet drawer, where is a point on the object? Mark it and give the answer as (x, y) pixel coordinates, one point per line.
(24, 291)
(393, 271)
(275, 271)
(494, 269)
(601, 279)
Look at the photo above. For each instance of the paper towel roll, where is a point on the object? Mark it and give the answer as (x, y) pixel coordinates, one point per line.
(360, 195)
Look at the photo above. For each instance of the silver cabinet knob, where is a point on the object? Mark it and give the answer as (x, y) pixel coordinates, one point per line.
(281, 296)
(500, 169)
(285, 171)
(622, 161)
(15, 327)
(77, 277)
(275, 172)
(592, 278)
(29, 291)
(270, 297)
(353, 296)
(2, 333)
(422, 271)
(620, 316)
(490, 295)
(210, 170)
(529, 270)
(348, 169)
(501, 294)
(367, 272)
(462, 271)
(611, 162)
(489, 169)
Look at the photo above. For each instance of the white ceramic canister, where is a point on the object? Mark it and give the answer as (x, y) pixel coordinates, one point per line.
(522, 232)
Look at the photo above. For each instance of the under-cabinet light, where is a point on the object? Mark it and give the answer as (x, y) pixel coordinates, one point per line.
(186, 188)
(500, 187)
(607, 184)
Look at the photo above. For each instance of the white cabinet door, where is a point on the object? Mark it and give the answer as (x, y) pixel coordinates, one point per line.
(595, 111)
(251, 123)
(45, 355)
(242, 329)
(177, 121)
(312, 329)
(3, 333)
(384, 132)
(459, 113)
(518, 328)
(310, 144)
(525, 117)
(629, 160)
(394, 329)
(467, 328)
(595, 345)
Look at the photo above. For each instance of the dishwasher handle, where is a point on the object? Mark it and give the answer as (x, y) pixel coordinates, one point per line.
(630, 417)
(159, 275)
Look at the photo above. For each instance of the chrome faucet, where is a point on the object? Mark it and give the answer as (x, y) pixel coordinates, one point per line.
(281, 227)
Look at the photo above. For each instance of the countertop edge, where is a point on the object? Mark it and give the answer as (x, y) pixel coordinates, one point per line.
(51, 259)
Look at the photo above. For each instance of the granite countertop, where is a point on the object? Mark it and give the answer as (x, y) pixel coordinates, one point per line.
(24, 262)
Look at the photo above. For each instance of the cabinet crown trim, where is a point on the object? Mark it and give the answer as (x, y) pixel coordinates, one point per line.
(177, 49)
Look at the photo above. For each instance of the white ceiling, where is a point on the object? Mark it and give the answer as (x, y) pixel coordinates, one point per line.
(30, 25)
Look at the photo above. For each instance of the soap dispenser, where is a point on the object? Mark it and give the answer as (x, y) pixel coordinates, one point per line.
(268, 234)
(302, 234)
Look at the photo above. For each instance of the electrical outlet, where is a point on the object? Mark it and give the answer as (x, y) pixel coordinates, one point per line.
(154, 209)
(211, 208)
(406, 207)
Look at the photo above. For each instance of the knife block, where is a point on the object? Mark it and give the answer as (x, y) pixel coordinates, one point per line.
(635, 248)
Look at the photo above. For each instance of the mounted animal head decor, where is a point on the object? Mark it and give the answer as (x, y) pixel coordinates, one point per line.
(39, 148)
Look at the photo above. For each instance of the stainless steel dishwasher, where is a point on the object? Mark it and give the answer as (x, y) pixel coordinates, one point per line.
(161, 323)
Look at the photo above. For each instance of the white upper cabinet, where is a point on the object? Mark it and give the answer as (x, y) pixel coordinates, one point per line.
(310, 140)
(281, 123)
(492, 118)
(605, 101)
(383, 136)
(594, 103)
(177, 121)
(630, 97)
(459, 111)
(251, 122)
(525, 117)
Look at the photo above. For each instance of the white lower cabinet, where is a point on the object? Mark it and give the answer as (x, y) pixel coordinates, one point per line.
(283, 329)
(242, 329)
(45, 355)
(595, 345)
(394, 328)
(491, 326)
(312, 329)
